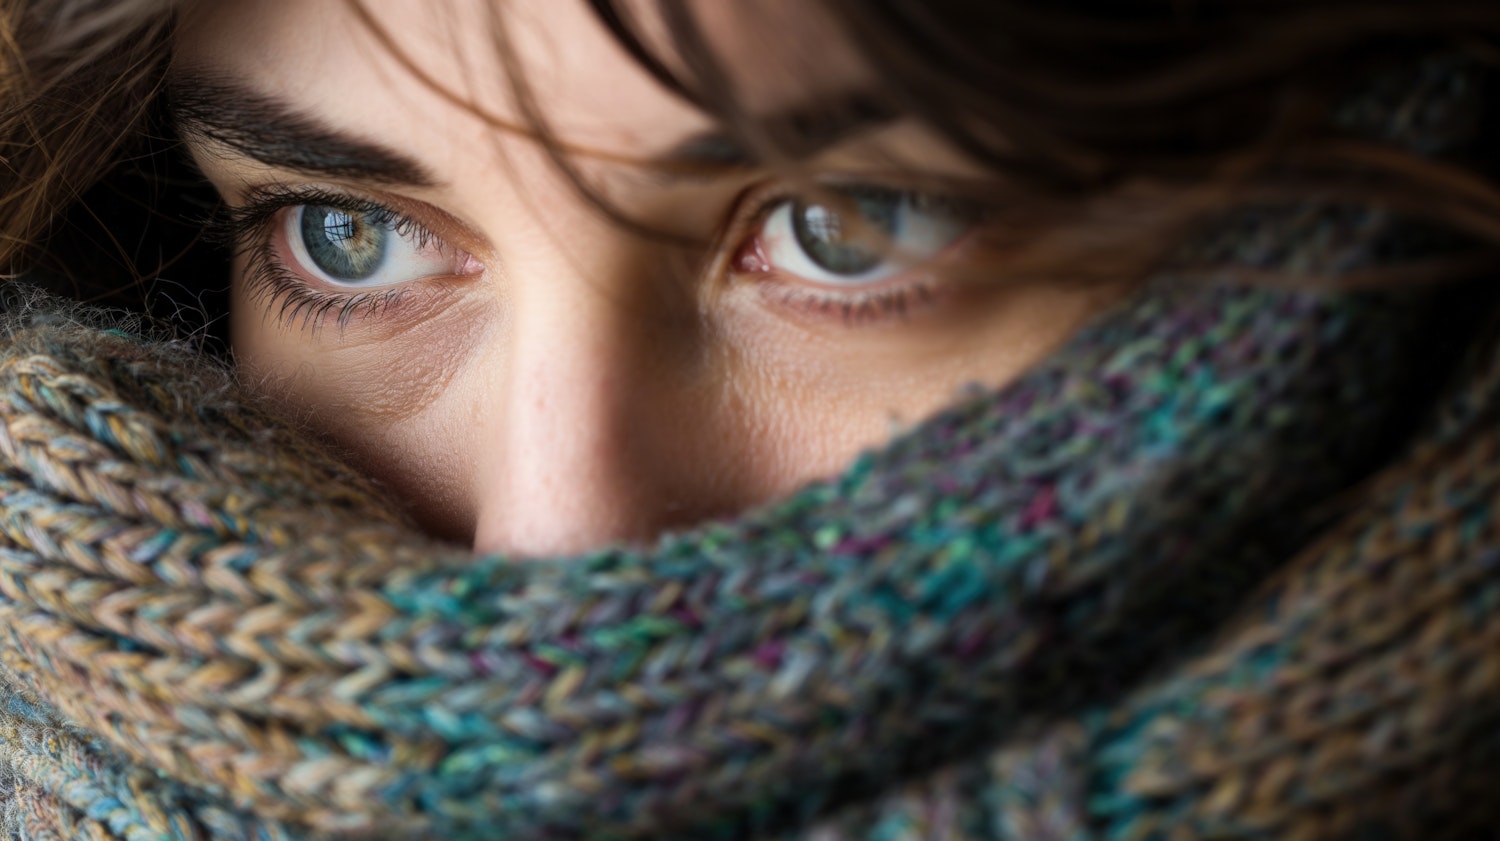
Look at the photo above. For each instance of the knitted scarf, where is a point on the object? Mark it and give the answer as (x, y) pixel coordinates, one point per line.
(1226, 565)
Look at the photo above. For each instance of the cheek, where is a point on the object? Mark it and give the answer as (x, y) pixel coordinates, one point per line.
(727, 416)
(813, 401)
(380, 396)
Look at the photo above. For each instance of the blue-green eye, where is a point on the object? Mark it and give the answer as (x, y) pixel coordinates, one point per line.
(344, 245)
(866, 235)
(364, 248)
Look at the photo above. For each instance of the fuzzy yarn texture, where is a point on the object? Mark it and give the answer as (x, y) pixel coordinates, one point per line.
(1226, 565)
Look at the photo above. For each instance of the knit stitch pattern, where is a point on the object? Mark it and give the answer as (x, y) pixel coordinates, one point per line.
(189, 593)
(1223, 566)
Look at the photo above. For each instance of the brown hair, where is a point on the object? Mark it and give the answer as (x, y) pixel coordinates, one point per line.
(1115, 127)
(76, 78)
(1114, 124)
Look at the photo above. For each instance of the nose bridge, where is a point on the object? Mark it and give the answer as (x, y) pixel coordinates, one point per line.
(561, 442)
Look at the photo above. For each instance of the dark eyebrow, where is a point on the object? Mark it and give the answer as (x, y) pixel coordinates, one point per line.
(800, 131)
(222, 111)
(274, 133)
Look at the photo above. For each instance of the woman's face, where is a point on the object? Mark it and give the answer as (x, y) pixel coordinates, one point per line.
(430, 291)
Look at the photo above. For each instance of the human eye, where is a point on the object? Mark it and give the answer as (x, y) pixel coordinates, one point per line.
(312, 253)
(856, 250)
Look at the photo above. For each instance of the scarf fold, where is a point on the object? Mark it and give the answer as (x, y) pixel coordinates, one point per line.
(1222, 566)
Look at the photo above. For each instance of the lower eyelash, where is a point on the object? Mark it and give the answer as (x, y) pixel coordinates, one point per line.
(853, 308)
(270, 283)
(274, 285)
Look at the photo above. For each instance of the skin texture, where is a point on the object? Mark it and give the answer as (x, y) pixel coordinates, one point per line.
(564, 382)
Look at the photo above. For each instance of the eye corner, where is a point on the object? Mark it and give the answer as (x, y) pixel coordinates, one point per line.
(750, 256)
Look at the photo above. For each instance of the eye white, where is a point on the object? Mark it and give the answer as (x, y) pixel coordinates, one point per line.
(405, 257)
(919, 234)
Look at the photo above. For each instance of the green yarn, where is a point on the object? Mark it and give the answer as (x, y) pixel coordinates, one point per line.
(800, 659)
(1223, 566)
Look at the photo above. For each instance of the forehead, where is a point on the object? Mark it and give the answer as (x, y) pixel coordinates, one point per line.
(419, 71)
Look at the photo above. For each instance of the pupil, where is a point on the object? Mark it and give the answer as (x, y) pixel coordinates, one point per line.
(338, 227)
(342, 244)
(848, 247)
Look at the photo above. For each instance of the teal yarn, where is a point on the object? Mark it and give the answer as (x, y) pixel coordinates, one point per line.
(952, 591)
(1222, 566)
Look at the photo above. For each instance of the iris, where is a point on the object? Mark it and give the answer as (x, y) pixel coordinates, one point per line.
(346, 245)
(858, 234)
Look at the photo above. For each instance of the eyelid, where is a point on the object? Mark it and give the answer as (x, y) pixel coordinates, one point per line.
(755, 204)
(261, 202)
(890, 298)
(294, 299)
(756, 201)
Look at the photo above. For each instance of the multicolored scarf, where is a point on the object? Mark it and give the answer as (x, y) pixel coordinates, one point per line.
(1225, 566)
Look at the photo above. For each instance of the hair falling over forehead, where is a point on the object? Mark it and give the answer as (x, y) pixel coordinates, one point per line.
(1110, 127)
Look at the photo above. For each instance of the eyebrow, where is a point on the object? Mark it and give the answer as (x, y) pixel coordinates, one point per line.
(802, 131)
(276, 134)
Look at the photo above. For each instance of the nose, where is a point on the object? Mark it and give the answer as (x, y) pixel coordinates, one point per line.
(584, 439)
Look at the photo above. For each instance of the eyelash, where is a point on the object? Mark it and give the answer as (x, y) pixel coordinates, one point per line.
(296, 301)
(857, 308)
(269, 280)
(853, 308)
